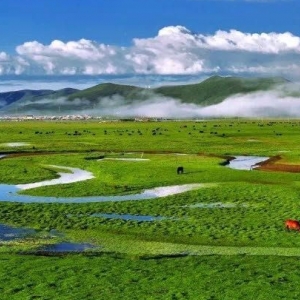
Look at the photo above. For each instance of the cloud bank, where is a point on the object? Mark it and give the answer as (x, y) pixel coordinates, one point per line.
(175, 50)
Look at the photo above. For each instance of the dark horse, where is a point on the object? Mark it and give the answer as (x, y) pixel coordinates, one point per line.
(180, 170)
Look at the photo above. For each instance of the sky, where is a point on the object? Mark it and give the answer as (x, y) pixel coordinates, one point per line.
(51, 43)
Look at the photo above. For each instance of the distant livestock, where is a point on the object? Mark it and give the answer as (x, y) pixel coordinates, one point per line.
(180, 170)
(292, 225)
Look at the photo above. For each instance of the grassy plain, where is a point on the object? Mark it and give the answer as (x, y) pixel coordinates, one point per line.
(244, 243)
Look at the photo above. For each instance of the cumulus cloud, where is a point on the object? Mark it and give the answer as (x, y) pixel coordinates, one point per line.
(174, 50)
(74, 57)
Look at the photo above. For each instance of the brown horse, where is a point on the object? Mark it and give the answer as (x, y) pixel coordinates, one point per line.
(292, 225)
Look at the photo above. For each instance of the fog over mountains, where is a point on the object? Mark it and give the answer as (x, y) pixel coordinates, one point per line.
(214, 97)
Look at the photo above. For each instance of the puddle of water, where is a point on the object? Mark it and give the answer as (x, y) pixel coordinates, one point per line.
(16, 144)
(8, 233)
(246, 162)
(66, 247)
(2, 155)
(128, 217)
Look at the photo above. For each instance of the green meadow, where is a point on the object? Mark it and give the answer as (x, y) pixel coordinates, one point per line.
(224, 240)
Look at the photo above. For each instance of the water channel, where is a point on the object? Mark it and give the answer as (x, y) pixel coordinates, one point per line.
(10, 192)
(246, 162)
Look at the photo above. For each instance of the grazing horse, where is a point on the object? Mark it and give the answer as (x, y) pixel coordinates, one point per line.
(179, 170)
(292, 225)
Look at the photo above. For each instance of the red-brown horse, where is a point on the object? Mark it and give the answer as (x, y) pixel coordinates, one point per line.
(292, 225)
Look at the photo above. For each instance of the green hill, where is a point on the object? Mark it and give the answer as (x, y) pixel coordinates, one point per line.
(210, 91)
(102, 90)
(215, 89)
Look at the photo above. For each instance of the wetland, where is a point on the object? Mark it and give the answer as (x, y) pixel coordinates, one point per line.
(212, 219)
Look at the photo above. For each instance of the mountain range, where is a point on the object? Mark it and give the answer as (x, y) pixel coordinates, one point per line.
(208, 92)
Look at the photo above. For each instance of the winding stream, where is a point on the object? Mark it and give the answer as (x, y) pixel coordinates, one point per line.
(75, 175)
(10, 192)
(246, 162)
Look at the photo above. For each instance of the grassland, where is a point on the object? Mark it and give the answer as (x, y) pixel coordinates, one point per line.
(241, 250)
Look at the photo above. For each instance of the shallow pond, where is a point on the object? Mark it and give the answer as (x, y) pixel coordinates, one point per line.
(8, 233)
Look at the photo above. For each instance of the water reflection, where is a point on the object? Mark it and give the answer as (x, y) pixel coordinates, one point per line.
(66, 247)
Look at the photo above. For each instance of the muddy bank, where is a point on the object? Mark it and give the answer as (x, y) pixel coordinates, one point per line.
(272, 165)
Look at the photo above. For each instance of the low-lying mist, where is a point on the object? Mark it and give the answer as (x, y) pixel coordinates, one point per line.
(260, 104)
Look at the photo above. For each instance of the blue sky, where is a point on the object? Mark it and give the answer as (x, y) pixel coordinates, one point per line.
(119, 21)
(149, 37)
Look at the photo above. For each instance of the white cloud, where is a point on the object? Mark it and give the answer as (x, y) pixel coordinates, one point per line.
(74, 57)
(174, 50)
(261, 43)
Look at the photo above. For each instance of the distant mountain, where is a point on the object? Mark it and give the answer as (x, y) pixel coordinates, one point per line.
(210, 91)
(26, 100)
